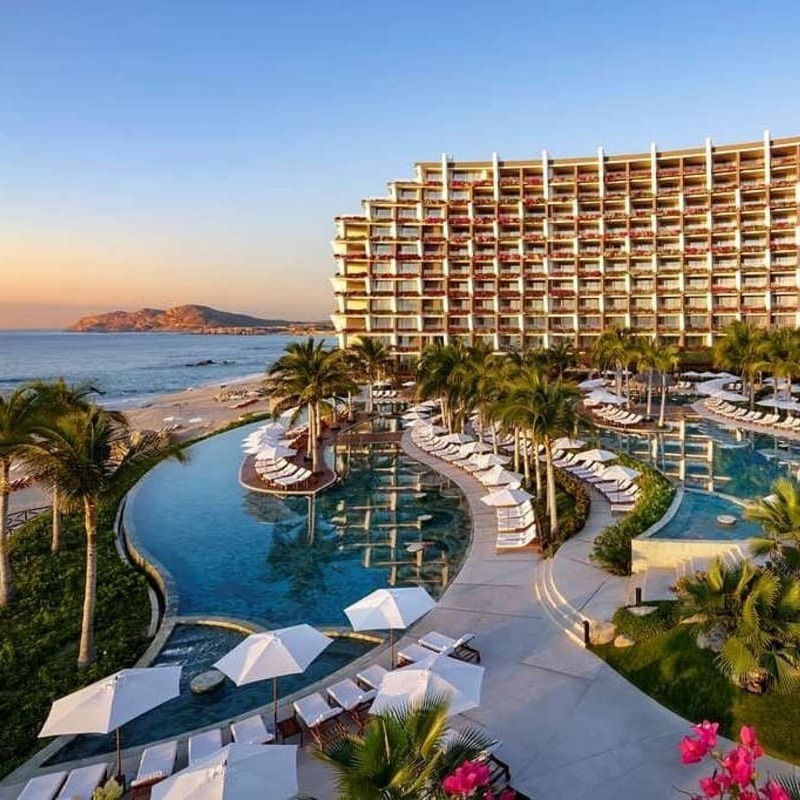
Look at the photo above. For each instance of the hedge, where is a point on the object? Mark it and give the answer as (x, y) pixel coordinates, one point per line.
(573, 511)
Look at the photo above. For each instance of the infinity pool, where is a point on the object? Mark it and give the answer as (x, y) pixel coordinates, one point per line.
(696, 518)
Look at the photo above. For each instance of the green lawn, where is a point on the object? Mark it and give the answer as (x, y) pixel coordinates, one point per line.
(671, 669)
(39, 631)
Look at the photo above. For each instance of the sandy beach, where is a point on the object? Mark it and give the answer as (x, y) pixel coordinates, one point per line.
(186, 414)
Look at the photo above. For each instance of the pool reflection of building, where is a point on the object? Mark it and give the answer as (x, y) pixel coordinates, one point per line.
(396, 522)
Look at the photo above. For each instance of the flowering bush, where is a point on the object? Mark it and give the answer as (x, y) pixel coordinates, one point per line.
(471, 780)
(735, 775)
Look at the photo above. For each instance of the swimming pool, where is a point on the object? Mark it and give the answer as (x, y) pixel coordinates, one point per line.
(279, 562)
(696, 518)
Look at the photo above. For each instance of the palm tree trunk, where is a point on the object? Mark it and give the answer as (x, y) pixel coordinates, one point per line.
(516, 449)
(526, 459)
(86, 648)
(310, 430)
(663, 412)
(649, 393)
(6, 578)
(552, 505)
(538, 470)
(55, 543)
(369, 399)
(628, 387)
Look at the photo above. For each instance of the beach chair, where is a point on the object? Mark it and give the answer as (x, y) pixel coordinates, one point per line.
(251, 730)
(347, 694)
(157, 762)
(412, 653)
(43, 787)
(372, 676)
(314, 713)
(202, 745)
(82, 782)
(447, 645)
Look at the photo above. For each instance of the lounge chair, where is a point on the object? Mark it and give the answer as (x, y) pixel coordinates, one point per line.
(202, 745)
(251, 730)
(347, 694)
(447, 645)
(412, 653)
(372, 676)
(82, 782)
(314, 712)
(157, 762)
(43, 787)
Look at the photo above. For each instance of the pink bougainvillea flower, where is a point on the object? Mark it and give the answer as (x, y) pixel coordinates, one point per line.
(693, 751)
(707, 732)
(747, 736)
(710, 787)
(774, 791)
(740, 766)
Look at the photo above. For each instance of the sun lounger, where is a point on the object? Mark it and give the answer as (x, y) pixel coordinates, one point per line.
(347, 694)
(413, 652)
(157, 762)
(251, 730)
(43, 787)
(372, 676)
(447, 645)
(82, 782)
(202, 745)
(314, 712)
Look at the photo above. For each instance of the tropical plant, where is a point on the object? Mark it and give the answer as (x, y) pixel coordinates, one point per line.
(402, 754)
(616, 349)
(741, 350)
(88, 454)
(561, 356)
(779, 515)
(304, 376)
(666, 357)
(647, 361)
(759, 612)
(18, 415)
(371, 359)
(781, 350)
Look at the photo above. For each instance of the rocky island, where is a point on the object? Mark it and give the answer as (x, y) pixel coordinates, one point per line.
(193, 319)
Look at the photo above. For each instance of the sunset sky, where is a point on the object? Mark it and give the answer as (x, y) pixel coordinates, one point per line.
(157, 153)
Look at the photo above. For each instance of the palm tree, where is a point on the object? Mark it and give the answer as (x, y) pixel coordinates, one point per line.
(666, 357)
(779, 515)
(615, 349)
(758, 611)
(781, 348)
(646, 361)
(402, 754)
(18, 412)
(58, 397)
(371, 359)
(442, 373)
(741, 350)
(305, 375)
(561, 356)
(90, 455)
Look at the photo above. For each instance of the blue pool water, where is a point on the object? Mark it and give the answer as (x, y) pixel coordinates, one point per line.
(196, 648)
(255, 557)
(696, 518)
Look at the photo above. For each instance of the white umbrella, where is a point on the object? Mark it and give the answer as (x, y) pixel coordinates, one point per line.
(596, 455)
(565, 443)
(109, 703)
(619, 473)
(591, 383)
(389, 609)
(272, 452)
(507, 497)
(788, 405)
(497, 476)
(458, 438)
(602, 397)
(285, 651)
(486, 460)
(236, 772)
(731, 397)
(473, 448)
(416, 414)
(436, 676)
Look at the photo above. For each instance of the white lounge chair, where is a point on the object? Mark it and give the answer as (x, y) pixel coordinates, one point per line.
(43, 787)
(202, 745)
(347, 694)
(447, 645)
(372, 676)
(82, 782)
(413, 652)
(157, 762)
(314, 712)
(251, 730)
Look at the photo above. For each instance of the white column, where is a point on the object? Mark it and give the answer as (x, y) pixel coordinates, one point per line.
(496, 176)
(601, 171)
(653, 168)
(709, 164)
(545, 175)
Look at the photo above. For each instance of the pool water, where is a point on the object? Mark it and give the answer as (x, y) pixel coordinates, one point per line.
(278, 562)
(196, 648)
(696, 518)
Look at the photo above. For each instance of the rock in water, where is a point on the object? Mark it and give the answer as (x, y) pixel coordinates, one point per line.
(207, 681)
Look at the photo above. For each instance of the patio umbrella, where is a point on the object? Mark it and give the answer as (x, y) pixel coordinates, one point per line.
(285, 651)
(617, 472)
(565, 443)
(109, 703)
(389, 609)
(486, 460)
(473, 448)
(416, 414)
(591, 383)
(591, 456)
(458, 438)
(497, 476)
(788, 405)
(439, 675)
(602, 397)
(507, 497)
(236, 772)
(272, 452)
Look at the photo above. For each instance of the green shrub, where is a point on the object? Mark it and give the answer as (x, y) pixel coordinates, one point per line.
(612, 547)
(642, 629)
(573, 510)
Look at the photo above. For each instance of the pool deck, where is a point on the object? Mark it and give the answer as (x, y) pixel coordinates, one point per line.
(571, 727)
(703, 410)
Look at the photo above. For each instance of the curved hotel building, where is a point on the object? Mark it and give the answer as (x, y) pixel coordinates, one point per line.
(521, 254)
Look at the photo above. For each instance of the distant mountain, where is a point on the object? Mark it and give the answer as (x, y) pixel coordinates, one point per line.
(190, 319)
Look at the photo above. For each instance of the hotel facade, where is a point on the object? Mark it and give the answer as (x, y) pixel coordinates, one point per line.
(523, 254)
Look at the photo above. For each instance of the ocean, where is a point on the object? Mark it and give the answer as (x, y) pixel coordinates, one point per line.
(131, 368)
